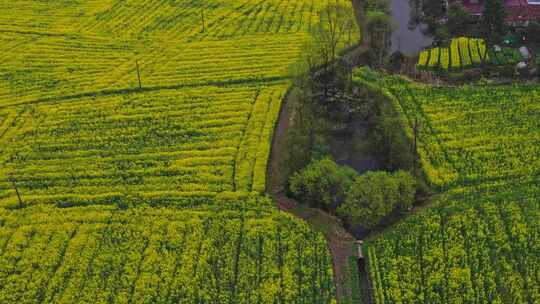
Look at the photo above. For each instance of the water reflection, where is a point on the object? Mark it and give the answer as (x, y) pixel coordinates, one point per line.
(404, 39)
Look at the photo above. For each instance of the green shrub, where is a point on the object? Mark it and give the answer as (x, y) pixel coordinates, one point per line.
(323, 183)
(390, 142)
(375, 195)
(533, 32)
(406, 189)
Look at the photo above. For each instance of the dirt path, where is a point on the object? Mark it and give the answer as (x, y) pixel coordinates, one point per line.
(339, 241)
(276, 180)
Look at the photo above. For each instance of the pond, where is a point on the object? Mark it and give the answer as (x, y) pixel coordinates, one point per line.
(409, 42)
(352, 147)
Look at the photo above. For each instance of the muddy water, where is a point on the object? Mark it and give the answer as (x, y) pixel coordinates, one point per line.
(409, 42)
(351, 148)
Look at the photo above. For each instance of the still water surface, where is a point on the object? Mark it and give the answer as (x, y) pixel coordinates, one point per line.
(409, 42)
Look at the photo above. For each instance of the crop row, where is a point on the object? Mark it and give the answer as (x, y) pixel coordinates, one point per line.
(163, 20)
(462, 53)
(96, 254)
(191, 142)
(466, 252)
(467, 131)
(477, 241)
(56, 67)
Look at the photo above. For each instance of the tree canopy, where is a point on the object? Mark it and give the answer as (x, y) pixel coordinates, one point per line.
(322, 183)
(494, 21)
(458, 20)
(375, 195)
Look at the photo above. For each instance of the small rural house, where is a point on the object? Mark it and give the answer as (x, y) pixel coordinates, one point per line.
(520, 12)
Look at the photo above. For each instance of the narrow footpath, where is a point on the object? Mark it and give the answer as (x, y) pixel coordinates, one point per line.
(340, 242)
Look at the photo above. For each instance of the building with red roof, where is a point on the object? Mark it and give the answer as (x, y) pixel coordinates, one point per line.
(519, 11)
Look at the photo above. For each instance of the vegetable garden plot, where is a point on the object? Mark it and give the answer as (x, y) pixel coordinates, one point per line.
(222, 18)
(476, 137)
(91, 47)
(462, 53)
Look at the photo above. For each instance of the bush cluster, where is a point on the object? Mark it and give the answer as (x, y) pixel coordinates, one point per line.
(360, 199)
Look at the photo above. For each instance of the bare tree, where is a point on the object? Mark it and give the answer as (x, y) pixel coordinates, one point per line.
(335, 30)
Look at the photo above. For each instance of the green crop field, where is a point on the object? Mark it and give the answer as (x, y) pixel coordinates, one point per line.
(166, 145)
(101, 255)
(201, 124)
(86, 145)
(480, 145)
(462, 53)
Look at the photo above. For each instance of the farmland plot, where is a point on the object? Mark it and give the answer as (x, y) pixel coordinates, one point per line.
(109, 108)
(99, 255)
(478, 243)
